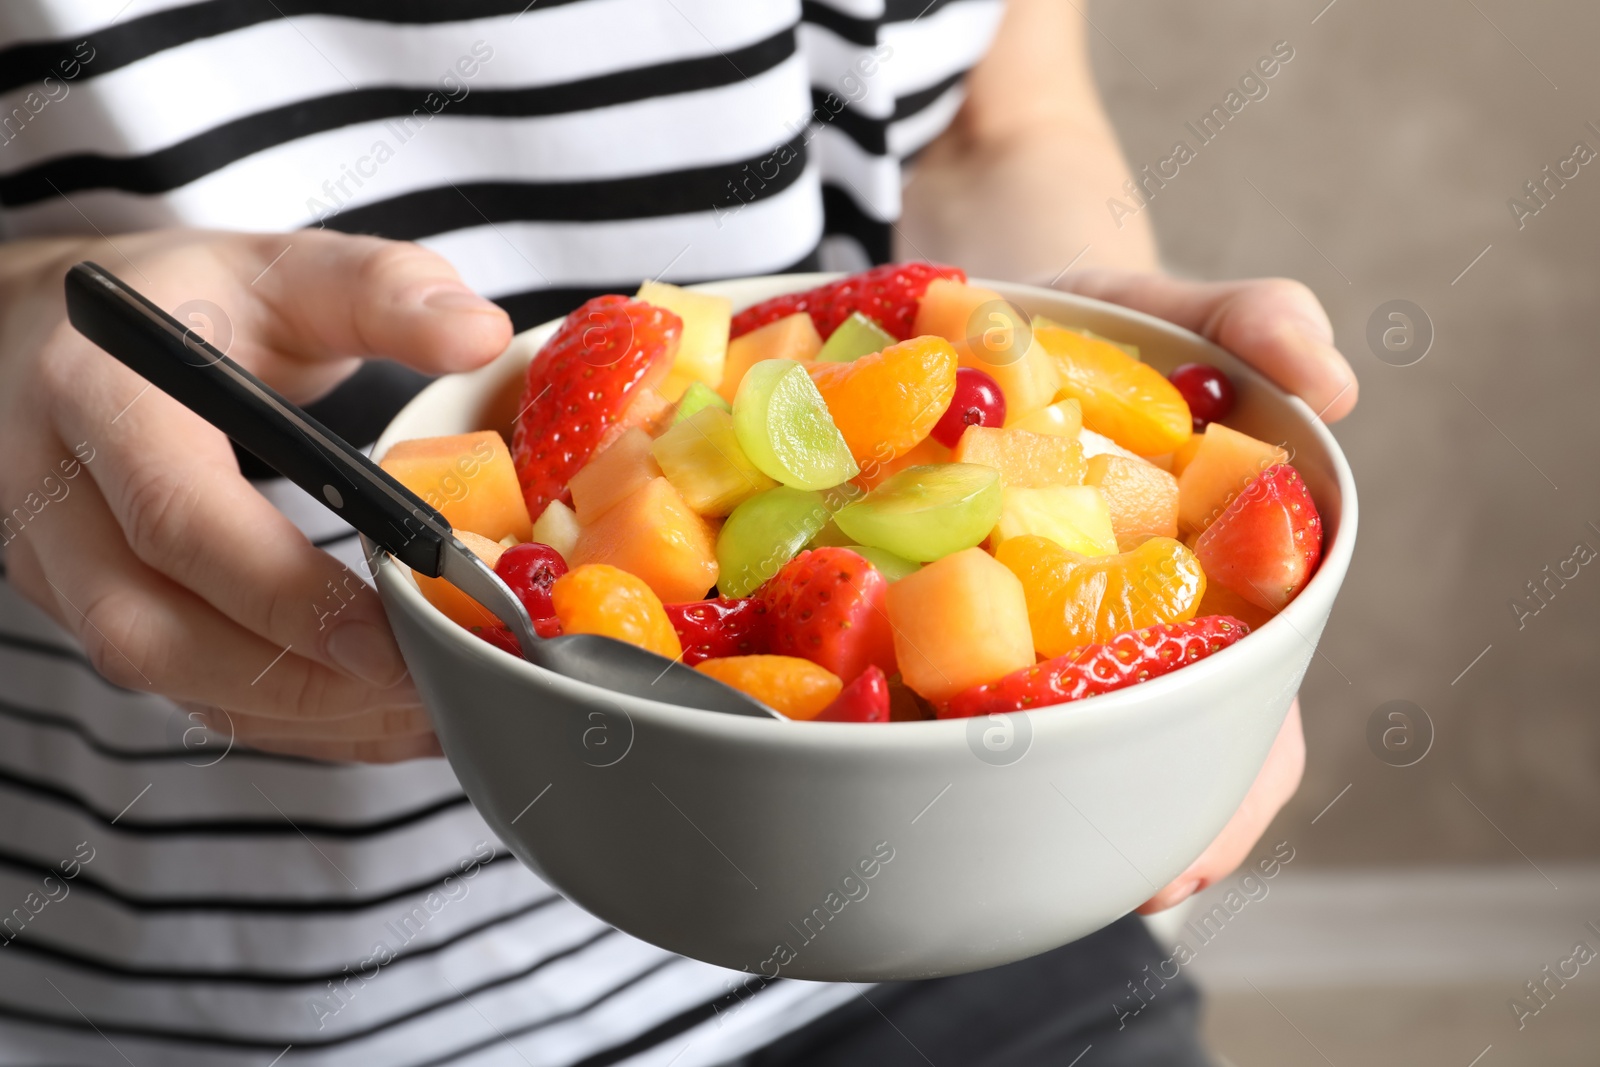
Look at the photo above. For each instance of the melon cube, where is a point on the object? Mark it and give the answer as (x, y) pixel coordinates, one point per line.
(704, 347)
(924, 453)
(648, 410)
(557, 527)
(458, 606)
(621, 470)
(702, 459)
(987, 332)
(1076, 517)
(1142, 497)
(791, 337)
(959, 622)
(1184, 453)
(1220, 600)
(1023, 458)
(655, 535)
(1222, 465)
(1064, 418)
(469, 478)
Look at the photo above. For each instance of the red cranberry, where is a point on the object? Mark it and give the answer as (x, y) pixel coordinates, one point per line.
(978, 401)
(530, 570)
(1206, 390)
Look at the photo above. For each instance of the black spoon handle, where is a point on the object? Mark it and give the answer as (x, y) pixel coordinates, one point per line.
(174, 359)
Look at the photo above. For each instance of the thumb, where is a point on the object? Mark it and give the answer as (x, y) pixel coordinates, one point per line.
(333, 296)
(1274, 324)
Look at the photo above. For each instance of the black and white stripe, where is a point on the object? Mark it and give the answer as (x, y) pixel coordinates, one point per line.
(602, 141)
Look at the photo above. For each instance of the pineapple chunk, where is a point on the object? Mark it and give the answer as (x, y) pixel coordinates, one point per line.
(558, 528)
(1064, 418)
(1076, 517)
(702, 459)
(704, 346)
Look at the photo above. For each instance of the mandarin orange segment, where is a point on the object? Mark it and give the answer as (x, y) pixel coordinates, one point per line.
(598, 598)
(885, 404)
(1124, 399)
(1078, 600)
(796, 687)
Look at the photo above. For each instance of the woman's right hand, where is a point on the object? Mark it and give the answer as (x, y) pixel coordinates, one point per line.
(177, 577)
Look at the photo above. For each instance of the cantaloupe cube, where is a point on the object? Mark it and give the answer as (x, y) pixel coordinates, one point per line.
(557, 527)
(620, 471)
(1184, 453)
(648, 411)
(1076, 517)
(654, 534)
(1064, 418)
(925, 452)
(704, 347)
(791, 337)
(950, 309)
(987, 331)
(1142, 497)
(458, 606)
(1023, 458)
(1224, 463)
(702, 459)
(468, 477)
(1220, 600)
(958, 622)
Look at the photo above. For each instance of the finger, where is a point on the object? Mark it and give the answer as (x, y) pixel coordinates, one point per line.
(384, 724)
(1274, 324)
(143, 631)
(332, 295)
(1274, 785)
(174, 486)
(389, 751)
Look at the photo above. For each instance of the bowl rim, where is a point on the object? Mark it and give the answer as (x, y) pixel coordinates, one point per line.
(1087, 713)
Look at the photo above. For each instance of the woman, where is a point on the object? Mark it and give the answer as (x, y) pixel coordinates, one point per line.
(307, 880)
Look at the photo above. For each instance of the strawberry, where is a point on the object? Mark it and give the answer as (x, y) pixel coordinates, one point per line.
(1094, 669)
(726, 626)
(1266, 545)
(826, 605)
(580, 384)
(864, 700)
(888, 294)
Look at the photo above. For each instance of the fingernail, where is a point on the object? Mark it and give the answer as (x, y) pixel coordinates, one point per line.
(367, 652)
(454, 298)
(1183, 892)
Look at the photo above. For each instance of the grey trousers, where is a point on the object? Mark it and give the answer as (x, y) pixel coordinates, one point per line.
(1072, 1006)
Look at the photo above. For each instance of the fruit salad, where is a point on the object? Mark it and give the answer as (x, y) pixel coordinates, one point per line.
(891, 497)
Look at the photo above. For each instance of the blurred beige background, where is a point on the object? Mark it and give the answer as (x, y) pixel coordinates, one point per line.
(1378, 167)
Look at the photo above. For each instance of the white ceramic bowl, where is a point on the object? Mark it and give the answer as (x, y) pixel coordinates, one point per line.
(852, 852)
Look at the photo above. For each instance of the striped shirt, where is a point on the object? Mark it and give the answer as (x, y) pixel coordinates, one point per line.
(168, 899)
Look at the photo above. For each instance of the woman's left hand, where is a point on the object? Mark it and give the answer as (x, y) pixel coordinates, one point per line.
(1278, 327)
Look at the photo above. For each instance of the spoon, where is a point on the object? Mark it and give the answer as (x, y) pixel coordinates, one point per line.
(173, 358)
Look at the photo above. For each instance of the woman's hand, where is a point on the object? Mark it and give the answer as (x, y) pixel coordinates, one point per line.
(1278, 327)
(1274, 324)
(175, 575)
